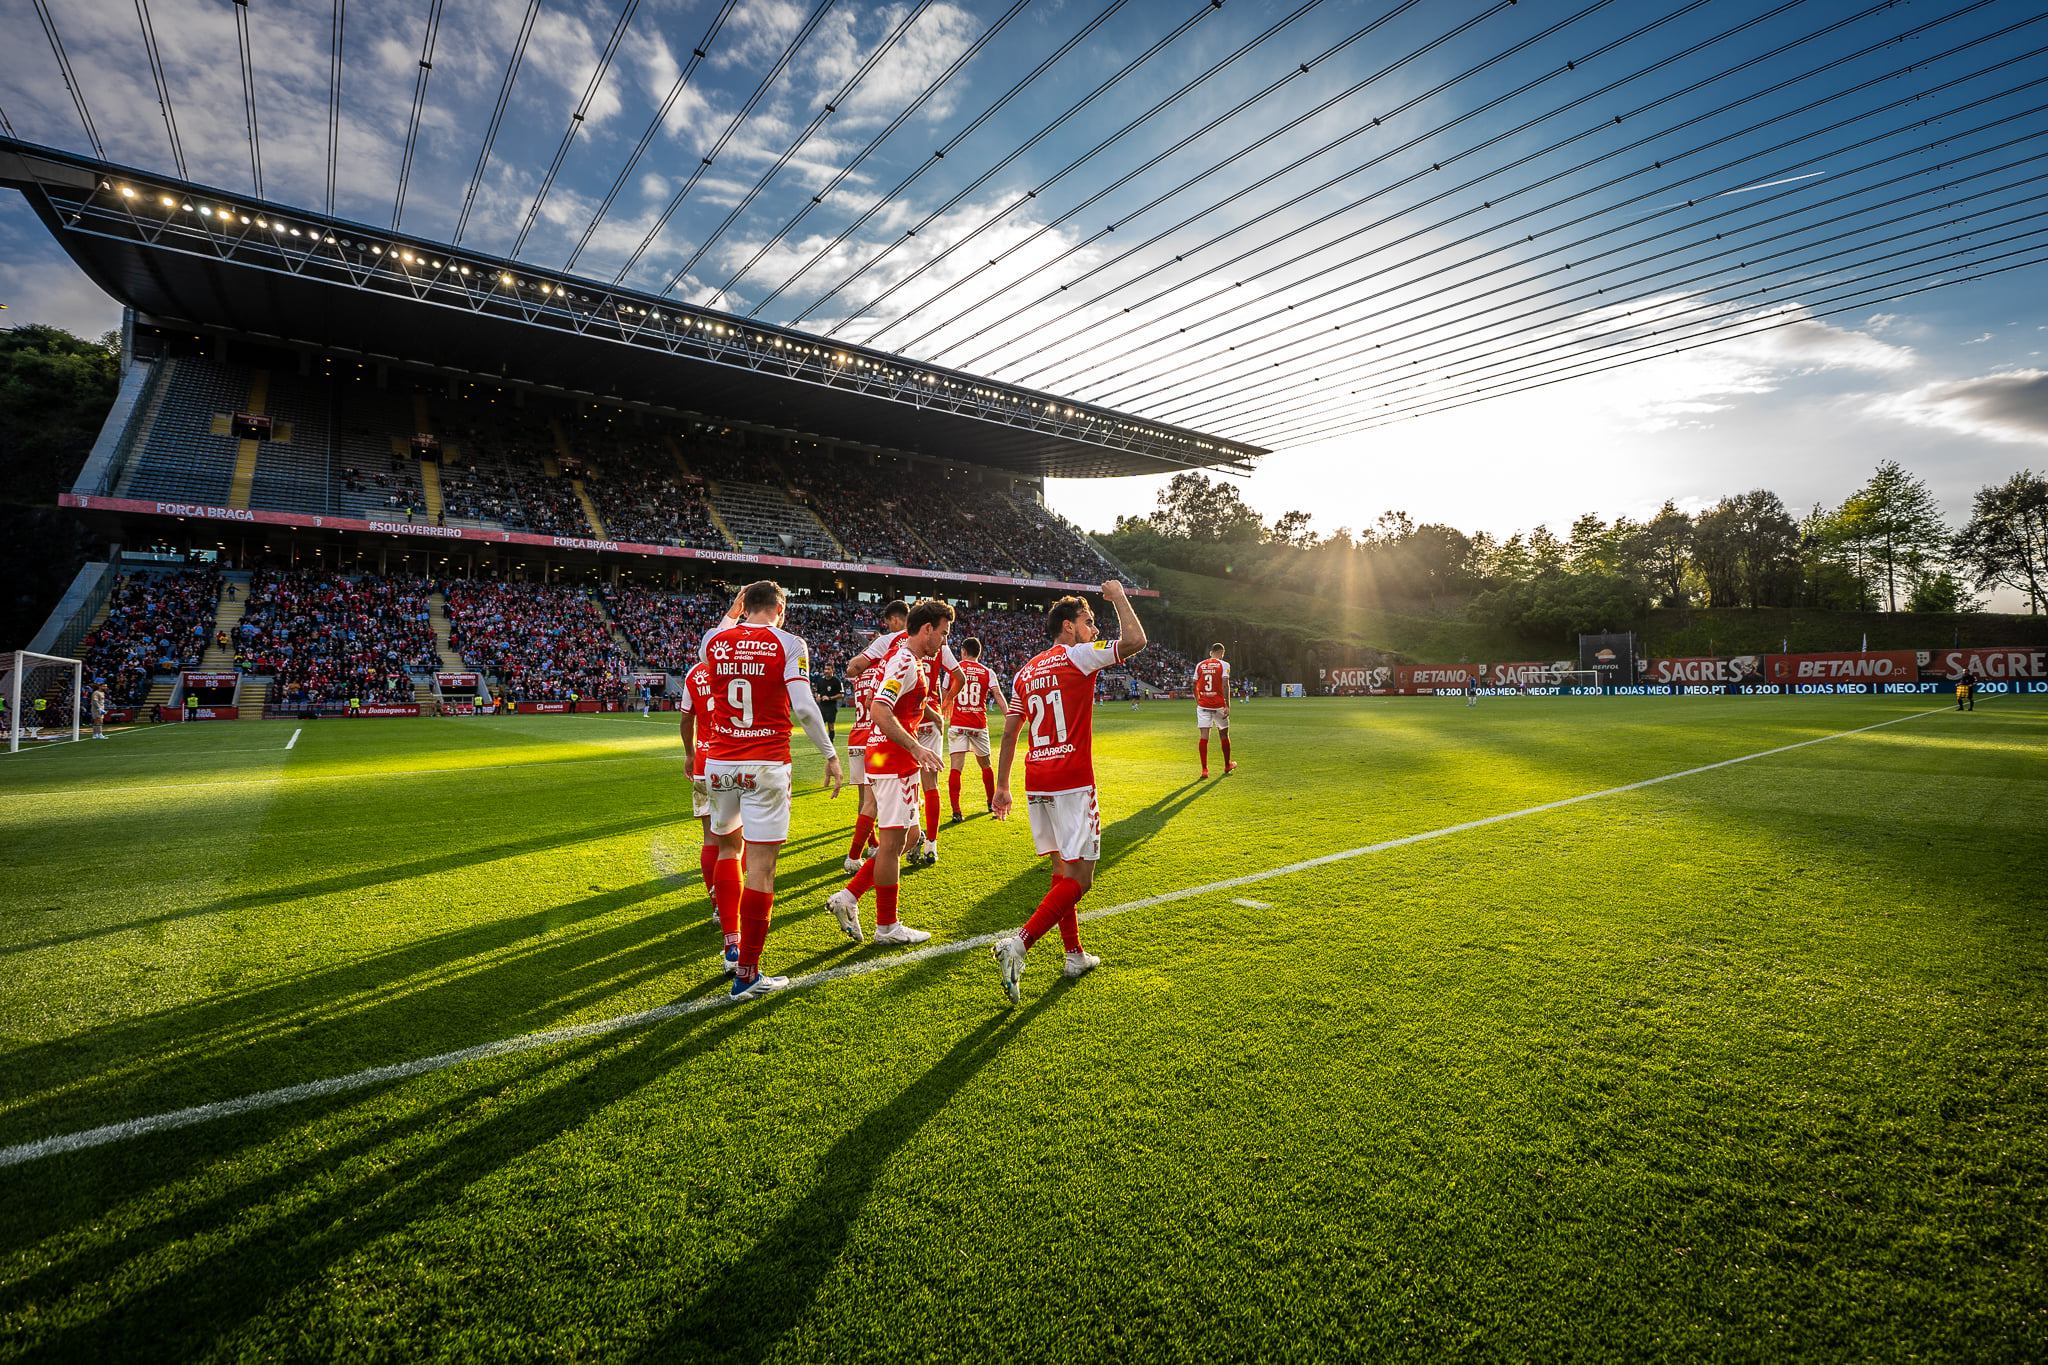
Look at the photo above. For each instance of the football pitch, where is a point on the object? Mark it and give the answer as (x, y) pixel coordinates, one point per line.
(1749, 1063)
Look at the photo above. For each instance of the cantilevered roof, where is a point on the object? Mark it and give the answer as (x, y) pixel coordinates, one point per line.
(184, 253)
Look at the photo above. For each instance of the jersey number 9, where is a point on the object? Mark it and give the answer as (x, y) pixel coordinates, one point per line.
(739, 694)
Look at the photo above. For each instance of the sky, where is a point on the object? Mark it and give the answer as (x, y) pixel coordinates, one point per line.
(1404, 245)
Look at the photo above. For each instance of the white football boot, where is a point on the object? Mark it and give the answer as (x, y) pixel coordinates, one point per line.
(845, 908)
(1080, 964)
(851, 865)
(762, 984)
(1009, 955)
(899, 932)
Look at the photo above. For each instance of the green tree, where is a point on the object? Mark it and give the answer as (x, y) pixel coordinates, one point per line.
(1890, 519)
(1194, 507)
(1291, 528)
(1746, 549)
(2005, 543)
(1666, 547)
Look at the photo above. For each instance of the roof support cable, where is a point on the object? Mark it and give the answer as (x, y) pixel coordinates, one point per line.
(1650, 285)
(973, 50)
(163, 87)
(92, 134)
(419, 100)
(891, 196)
(1019, 201)
(1524, 217)
(830, 107)
(1208, 8)
(1349, 208)
(483, 156)
(334, 102)
(604, 65)
(660, 120)
(1214, 168)
(241, 8)
(705, 161)
(2020, 258)
(1236, 331)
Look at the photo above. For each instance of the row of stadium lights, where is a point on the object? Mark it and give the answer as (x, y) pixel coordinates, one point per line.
(405, 258)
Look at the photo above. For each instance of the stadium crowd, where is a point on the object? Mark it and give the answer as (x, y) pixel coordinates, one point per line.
(545, 643)
(326, 637)
(156, 623)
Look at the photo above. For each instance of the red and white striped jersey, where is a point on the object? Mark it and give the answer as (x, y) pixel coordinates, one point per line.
(1212, 683)
(863, 693)
(1055, 694)
(751, 670)
(938, 670)
(905, 686)
(977, 685)
(699, 699)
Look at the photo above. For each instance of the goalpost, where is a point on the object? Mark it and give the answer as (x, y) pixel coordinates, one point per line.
(1579, 677)
(57, 681)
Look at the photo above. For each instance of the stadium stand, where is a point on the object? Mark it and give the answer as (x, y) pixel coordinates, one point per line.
(542, 642)
(327, 637)
(180, 456)
(156, 623)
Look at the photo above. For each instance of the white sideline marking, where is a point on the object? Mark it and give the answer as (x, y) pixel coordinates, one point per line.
(294, 739)
(528, 1042)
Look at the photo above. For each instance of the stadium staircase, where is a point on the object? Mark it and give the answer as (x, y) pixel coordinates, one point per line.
(145, 424)
(931, 556)
(161, 690)
(756, 517)
(437, 621)
(226, 617)
(789, 490)
(425, 697)
(589, 509)
(253, 698)
(619, 640)
(430, 490)
(244, 477)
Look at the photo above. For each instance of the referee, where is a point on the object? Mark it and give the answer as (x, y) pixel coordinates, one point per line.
(828, 690)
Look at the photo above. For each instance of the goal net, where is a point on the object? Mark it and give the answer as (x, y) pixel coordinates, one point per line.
(1579, 677)
(44, 695)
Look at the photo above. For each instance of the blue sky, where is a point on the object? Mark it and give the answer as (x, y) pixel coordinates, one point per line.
(1294, 273)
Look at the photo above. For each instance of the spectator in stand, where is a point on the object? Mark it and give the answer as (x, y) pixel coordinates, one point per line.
(326, 637)
(546, 643)
(155, 624)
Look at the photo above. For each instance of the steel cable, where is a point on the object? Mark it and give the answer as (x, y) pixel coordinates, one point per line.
(483, 156)
(604, 66)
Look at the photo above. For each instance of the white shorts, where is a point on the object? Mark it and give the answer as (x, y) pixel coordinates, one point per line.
(1066, 823)
(897, 804)
(750, 797)
(968, 740)
(934, 739)
(700, 795)
(1208, 716)
(856, 763)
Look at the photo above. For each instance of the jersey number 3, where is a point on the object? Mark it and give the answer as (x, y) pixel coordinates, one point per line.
(1038, 707)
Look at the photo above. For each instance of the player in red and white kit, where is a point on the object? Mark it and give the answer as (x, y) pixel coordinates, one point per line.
(931, 732)
(760, 679)
(857, 737)
(1212, 706)
(895, 758)
(967, 731)
(695, 725)
(1052, 704)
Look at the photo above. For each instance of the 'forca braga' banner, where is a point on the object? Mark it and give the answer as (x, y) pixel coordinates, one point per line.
(1739, 668)
(1870, 666)
(1994, 665)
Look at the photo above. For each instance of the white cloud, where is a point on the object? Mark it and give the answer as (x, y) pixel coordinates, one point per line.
(1978, 341)
(2011, 407)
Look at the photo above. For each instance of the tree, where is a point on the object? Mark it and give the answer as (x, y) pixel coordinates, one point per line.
(2006, 541)
(1291, 528)
(1746, 548)
(1892, 518)
(1666, 549)
(1193, 507)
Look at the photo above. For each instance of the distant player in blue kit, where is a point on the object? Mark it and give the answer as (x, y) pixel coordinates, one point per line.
(1471, 689)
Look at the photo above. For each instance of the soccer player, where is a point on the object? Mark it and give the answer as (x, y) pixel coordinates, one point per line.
(1471, 689)
(968, 731)
(857, 737)
(895, 757)
(1052, 704)
(931, 731)
(694, 724)
(1212, 706)
(759, 676)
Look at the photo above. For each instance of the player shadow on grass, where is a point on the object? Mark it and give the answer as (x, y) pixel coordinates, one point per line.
(453, 989)
(343, 1198)
(745, 1310)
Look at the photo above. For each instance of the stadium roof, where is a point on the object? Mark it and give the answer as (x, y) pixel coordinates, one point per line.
(177, 252)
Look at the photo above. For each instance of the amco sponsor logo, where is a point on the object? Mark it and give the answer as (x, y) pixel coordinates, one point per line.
(182, 509)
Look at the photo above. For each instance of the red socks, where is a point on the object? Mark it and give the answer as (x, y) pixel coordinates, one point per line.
(1202, 743)
(988, 786)
(953, 789)
(862, 880)
(885, 905)
(727, 883)
(753, 910)
(707, 858)
(1225, 737)
(1056, 908)
(931, 815)
(863, 829)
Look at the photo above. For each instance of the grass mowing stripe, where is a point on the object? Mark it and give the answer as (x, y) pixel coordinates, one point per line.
(350, 777)
(268, 1099)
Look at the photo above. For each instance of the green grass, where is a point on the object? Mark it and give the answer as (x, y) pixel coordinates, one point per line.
(1747, 1065)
